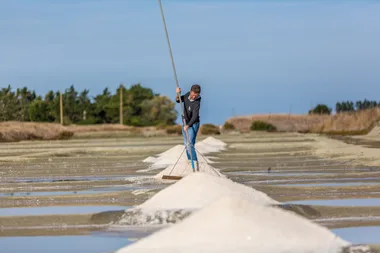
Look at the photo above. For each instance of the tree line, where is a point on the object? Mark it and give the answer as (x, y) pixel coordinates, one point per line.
(141, 106)
(345, 106)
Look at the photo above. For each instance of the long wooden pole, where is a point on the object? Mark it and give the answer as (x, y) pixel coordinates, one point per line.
(61, 106)
(121, 104)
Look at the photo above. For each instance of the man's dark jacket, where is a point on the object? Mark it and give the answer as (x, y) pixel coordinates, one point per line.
(191, 109)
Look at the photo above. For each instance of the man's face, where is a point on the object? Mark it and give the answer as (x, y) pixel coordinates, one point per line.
(193, 95)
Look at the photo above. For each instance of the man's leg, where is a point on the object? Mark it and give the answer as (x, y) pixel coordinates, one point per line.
(192, 137)
(193, 131)
(185, 142)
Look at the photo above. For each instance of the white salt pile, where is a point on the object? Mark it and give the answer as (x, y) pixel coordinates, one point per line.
(237, 224)
(176, 154)
(210, 145)
(179, 200)
(199, 189)
(150, 159)
(184, 167)
(165, 158)
(215, 142)
(170, 156)
(205, 148)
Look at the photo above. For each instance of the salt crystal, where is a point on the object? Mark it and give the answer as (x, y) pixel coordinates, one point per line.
(150, 159)
(199, 189)
(237, 224)
(186, 195)
(205, 148)
(215, 142)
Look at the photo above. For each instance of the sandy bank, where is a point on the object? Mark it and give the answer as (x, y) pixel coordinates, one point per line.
(326, 147)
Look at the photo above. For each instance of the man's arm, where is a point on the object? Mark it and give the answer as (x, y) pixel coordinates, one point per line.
(195, 114)
(177, 98)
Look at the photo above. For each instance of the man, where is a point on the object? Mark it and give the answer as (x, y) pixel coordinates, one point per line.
(192, 103)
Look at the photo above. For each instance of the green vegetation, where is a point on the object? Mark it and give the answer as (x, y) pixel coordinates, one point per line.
(209, 129)
(141, 107)
(321, 109)
(345, 106)
(349, 106)
(259, 125)
(176, 129)
(228, 126)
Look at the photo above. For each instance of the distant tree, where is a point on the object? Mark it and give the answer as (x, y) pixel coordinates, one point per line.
(345, 106)
(39, 110)
(320, 109)
(159, 110)
(141, 106)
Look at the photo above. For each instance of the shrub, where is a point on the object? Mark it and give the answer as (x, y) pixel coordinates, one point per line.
(209, 129)
(259, 125)
(65, 135)
(228, 126)
(321, 109)
(89, 121)
(176, 129)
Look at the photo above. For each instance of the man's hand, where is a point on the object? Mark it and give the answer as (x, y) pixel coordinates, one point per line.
(178, 90)
(185, 128)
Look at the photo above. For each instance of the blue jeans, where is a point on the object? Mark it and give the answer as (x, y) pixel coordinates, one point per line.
(192, 131)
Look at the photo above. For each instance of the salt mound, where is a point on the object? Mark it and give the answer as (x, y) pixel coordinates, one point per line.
(183, 167)
(150, 159)
(172, 152)
(210, 145)
(215, 142)
(180, 199)
(199, 189)
(205, 148)
(176, 150)
(166, 158)
(235, 224)
(170, 156)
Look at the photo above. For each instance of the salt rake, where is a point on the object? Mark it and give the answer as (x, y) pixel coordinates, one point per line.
(179, 95)
(170, 177)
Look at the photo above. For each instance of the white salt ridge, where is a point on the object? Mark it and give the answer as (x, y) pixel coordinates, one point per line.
(184, 168)
(237, 224)
(187, 195)
(170, 156)
(150, 159)
(215, 142)
(180, 155)
(176, 158)
(205, 148)
(210, 145)
(199, 189)
(172, 152)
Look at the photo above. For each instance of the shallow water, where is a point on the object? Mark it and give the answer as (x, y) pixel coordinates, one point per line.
(368, 179)
(278, 173)
(81, 192)
(332, 184)
(59, 179)
(339, 202)
(63, 244)
(50, 210)
(357, 235)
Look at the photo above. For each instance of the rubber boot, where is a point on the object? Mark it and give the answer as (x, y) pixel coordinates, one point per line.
(197, 165)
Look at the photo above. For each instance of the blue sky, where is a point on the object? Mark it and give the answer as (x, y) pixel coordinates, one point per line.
(249, 56)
